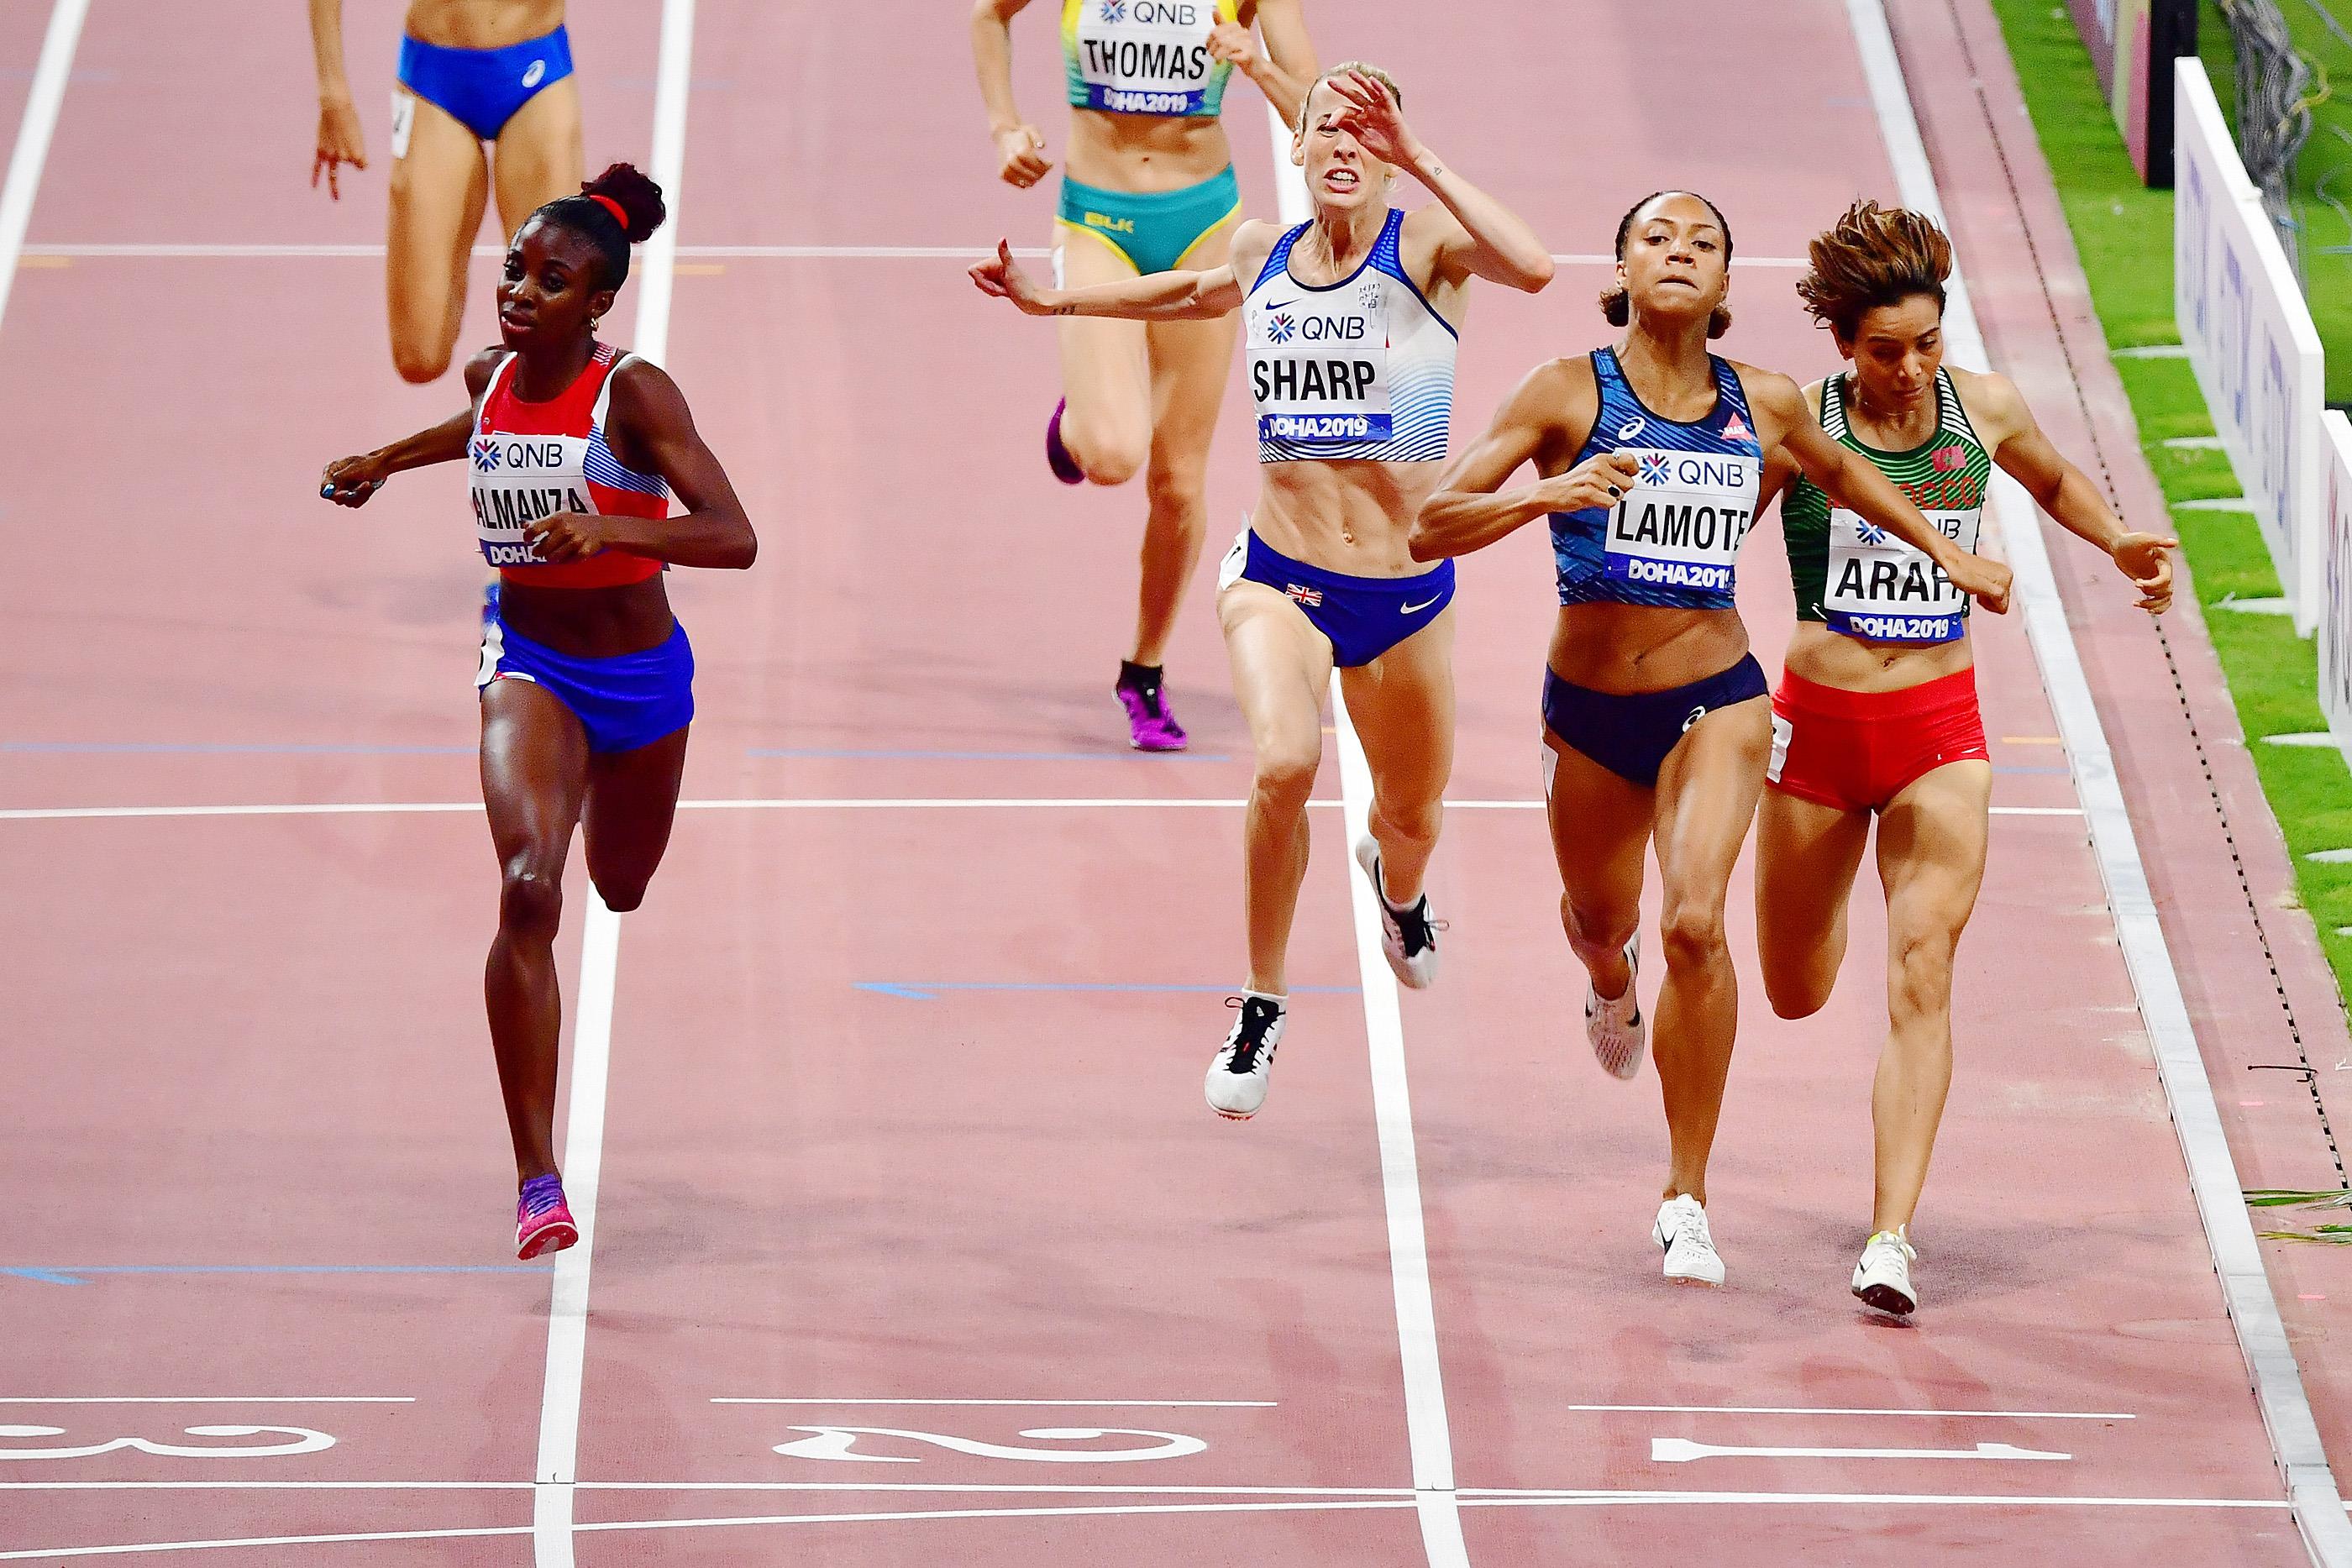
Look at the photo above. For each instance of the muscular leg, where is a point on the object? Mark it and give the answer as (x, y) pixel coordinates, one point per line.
(1281, 668)
(1600, 826)
(1190, 362)
(632, 801)
(1706, 799)
(538, 157)
(1931, 856)
(1402, 708)
(438, 191)
(534, 774)
(1806, 854)
(1106, 370)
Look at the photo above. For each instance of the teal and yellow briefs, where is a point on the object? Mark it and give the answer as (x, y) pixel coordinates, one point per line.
(1157, 232)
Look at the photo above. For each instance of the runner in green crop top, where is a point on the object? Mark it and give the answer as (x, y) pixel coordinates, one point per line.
(1149, 189)
(1876, 713)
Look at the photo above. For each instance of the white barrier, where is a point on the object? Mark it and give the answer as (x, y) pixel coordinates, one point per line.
(2336, 608)
(2248, 335)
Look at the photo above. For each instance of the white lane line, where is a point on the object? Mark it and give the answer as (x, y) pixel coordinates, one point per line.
(2213, 1174)
(1682, 1451)
(1426, 1431)
(1477, 1497)
(592, 1033)
(296, 252)
(225, 1399)
(1042, 1403)
(811, 803)
(42, 106)
(1846, 1410)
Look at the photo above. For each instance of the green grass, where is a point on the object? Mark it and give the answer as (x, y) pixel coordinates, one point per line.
(2124, 234)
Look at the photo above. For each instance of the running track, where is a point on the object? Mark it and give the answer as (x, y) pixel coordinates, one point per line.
(901, 1128)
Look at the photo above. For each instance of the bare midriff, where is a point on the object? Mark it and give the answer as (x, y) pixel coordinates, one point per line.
(1351, 516)
(482, 23)
(1627, 648)
(1145, 154)
(1830, 658)
(589, 623)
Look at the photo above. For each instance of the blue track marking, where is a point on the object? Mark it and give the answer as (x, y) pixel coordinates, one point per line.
(71, 1275)
(914, 755)
(220, 748)
(928, 990)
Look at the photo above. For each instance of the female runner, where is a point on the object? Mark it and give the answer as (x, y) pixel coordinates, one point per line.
(471, 71)
(587, 679)
(1351, 321)
(1655, 726)
(1149, 190)
(1877, 706)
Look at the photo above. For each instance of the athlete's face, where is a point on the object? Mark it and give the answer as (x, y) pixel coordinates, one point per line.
(1340, 174)
(1676, 263)
(1895, 350)
(552, 289)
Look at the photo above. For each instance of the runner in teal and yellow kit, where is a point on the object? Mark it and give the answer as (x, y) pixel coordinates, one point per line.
(1149, 189)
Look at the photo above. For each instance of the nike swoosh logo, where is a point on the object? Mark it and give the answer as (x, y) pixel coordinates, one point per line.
(1414, 609)
(1280, 304)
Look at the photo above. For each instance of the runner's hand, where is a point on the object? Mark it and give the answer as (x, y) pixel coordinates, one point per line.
(350, 480)
(1021, 156)
(566, 536)
(1597, 484)
(1373, 119)
(1232, 44)
(2146, 560)
(1001, 279)
(1986, 581)
(340, 142)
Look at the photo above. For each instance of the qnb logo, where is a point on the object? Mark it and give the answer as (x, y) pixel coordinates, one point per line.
(1281, 328)
(1868, 532)
(1656, 468)
(1114, 10)
(485, 456)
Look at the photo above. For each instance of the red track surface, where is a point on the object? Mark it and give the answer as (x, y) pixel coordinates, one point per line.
(256, 1042)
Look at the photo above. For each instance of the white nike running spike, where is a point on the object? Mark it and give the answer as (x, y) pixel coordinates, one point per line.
(1882, 1278)
(1620, 1035)
(1408, 937)
(1681, 1230)
(1243, 1067)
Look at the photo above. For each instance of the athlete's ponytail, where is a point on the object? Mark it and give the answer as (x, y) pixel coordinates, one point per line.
(618, 208)
(1874, 256)
(1618, 307)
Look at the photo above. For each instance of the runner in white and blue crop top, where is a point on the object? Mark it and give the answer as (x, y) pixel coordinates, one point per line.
(1350, 321)
(1656, 724)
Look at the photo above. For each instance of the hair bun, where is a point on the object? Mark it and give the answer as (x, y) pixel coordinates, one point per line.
(637, 196)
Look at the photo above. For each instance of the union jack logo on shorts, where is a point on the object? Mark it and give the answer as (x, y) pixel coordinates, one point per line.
(1310, 597)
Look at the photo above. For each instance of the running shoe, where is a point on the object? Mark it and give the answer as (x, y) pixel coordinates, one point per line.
(1620, 1038)
(1408, 937)
(1681, 1230)
(543, 1219)
(1057, 456)
(1238, 1077)
(1150, 725)
(1882, 1278)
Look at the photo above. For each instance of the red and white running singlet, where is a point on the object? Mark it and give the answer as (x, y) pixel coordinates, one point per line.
(531, 460)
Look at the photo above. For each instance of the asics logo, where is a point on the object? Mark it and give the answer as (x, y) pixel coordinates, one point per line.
(1631, 428)
(1696, 714)
(537, 74)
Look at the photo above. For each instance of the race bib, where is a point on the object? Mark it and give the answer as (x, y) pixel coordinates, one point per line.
(1882, 588)
(1318, 367)
(518, 480)
(1682, 526)
(1146, 57)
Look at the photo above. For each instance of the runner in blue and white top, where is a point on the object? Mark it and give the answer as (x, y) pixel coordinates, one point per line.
(1656, 723)
(1351, 321)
